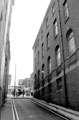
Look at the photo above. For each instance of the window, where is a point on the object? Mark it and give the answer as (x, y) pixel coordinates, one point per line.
(38, 57)
(58, 56)
(71, 41)
(55, 25)
(41, 34)
(38, 79)
(42, 49)
(47, 23)
(66, 10)
(59, 83)
(49, 64)
(48, 42)
(38, 76)
(42, 71)
(53, 9)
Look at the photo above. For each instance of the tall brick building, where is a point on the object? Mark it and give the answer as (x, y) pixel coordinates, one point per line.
(56, 55)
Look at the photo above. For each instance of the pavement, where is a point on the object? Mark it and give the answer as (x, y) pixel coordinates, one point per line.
(8, 110)
(65, 112)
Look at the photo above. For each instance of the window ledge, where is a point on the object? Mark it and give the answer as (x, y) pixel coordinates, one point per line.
(66, 20)
(55, 36)
(59, 90)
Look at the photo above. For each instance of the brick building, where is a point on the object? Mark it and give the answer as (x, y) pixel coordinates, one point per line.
(56, 55)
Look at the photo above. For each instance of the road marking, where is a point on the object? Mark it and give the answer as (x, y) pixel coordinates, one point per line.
(12, 111)
(15, 111)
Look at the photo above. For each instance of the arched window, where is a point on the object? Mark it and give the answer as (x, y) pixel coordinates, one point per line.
(58, 55)
(71, 41)
(66, 10)
(38, 75)
(55, 27)
(35, 81)
(49, 64)
(43, 71)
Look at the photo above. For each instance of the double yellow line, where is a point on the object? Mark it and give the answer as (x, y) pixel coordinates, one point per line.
(14, 111)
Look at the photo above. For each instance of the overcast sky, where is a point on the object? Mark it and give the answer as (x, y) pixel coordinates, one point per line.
(27, 16)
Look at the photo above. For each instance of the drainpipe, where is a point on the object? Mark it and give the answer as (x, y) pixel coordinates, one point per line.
(63, 53)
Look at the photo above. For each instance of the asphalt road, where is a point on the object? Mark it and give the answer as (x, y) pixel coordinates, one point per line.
(27, 110)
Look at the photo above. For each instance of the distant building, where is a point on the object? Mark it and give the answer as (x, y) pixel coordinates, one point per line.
(28, 83)
(20, 82)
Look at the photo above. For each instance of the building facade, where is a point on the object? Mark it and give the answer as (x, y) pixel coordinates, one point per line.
(5, 20)
(20, 82)
(28, 84)
(56, 55)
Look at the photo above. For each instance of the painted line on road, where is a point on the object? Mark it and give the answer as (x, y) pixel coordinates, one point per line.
(12, 111)
(15, 111)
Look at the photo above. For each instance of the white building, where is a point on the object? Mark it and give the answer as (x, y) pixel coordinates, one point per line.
(5, 21)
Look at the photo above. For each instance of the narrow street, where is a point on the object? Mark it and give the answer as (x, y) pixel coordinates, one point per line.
(39, 60)
(27, 110)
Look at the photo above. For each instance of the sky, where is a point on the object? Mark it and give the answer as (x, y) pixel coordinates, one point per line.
(26, 19)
